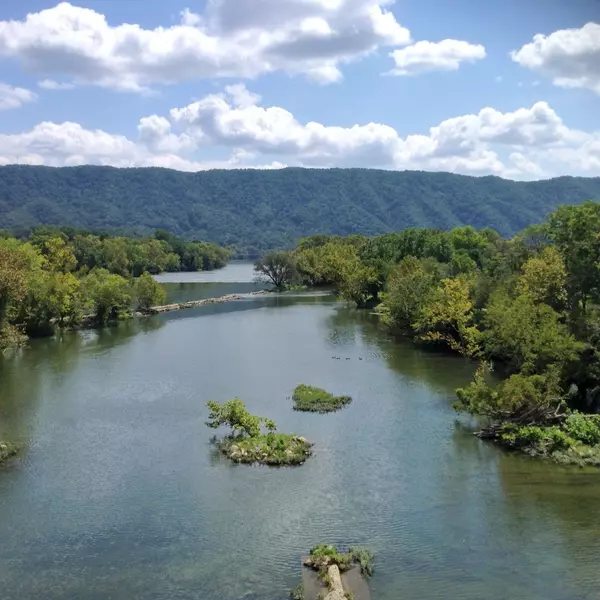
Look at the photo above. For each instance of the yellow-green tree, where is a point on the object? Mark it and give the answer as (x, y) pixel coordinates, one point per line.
(544, 278)
(448, 317)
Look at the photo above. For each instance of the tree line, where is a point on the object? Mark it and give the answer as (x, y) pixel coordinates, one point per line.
(59, 277)
(527, 307)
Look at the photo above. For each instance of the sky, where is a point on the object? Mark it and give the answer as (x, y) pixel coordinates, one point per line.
(508, 88)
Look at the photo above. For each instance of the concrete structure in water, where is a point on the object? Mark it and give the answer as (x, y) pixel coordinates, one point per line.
(339, 583)
(335, 584)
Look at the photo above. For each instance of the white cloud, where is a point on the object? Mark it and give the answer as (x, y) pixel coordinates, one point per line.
(50, 84)
(570, 56)
(527, 143)
(424, 56)
(232, 38)
(69, 144)
(13, 97)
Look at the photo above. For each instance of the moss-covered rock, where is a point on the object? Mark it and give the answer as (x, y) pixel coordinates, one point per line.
(313, 399)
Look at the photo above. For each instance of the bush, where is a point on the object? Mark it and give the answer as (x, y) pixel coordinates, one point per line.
(583, 428)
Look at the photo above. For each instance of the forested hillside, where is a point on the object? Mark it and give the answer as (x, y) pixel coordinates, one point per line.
(255, 210)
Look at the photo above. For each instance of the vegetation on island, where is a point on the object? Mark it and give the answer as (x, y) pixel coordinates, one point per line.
(59, 278)
(248, 443)
(260, 210)
(324, 555)
(527, 307)
(7, 450)
(313, 399)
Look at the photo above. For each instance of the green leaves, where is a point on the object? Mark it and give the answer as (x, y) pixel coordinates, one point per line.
(235, 415)
(148, 292)
(448, 317)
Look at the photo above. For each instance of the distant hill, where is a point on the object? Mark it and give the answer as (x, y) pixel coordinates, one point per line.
(256, 209)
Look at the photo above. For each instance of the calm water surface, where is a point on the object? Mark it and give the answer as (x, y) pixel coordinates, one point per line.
(237, 278)
(119, 494)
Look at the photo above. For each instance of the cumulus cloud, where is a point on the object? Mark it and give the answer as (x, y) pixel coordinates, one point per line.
(13, 97)
(70, 144)
(570, 56)
(527, 143)
(232, 38)
(446, 55)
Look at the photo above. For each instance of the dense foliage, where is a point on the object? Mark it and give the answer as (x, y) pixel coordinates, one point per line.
(529, 305)
(248, 443)
(61, 277)
(258, 210)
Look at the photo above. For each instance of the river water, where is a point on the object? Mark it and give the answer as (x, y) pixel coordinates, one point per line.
(119, 494)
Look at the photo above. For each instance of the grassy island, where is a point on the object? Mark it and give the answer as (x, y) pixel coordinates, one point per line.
(7, 450)
(248, 443)
(313, 399)
(324, 555)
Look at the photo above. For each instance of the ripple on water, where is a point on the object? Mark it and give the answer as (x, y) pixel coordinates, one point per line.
(121, 494)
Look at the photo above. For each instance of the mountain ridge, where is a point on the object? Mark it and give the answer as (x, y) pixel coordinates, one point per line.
(259, 209)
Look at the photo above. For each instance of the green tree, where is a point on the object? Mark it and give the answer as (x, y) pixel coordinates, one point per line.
(527, 336)
(521, 398)
(576, 233)
(59, 255)
(115, 256)
(448, 317)
(234, 414)
(279, 268)
(53, 298)
(109, 293)
(149, 292)
(409, 287)
(544, 278)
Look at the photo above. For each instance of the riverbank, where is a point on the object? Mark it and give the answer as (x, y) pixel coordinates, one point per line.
(572, 440)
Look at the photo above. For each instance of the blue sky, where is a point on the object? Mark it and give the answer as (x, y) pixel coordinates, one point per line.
(509, 88)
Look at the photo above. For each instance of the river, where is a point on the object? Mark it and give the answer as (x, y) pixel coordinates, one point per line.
(119, 494)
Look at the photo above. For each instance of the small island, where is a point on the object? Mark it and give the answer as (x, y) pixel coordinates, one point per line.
(7, 450)
(333, 575)
(313, 399)
(247, 442)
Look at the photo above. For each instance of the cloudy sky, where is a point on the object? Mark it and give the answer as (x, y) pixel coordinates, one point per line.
(509, 87)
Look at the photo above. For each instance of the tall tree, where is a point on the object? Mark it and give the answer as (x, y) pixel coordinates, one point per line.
(279, 268)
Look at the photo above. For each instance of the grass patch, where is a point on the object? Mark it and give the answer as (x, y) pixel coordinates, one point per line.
(324, 555)
(275, 449)
(7, 450)
(313, 399)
